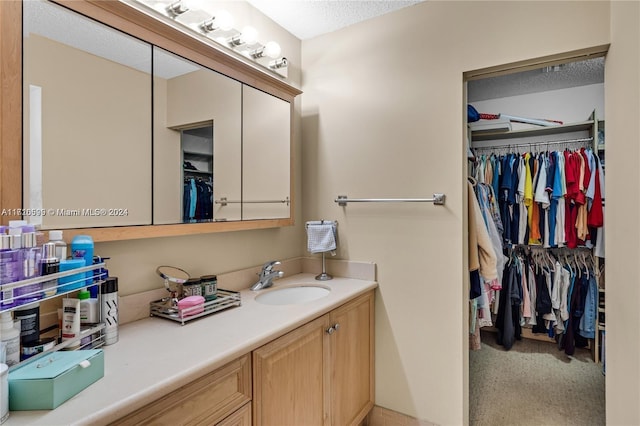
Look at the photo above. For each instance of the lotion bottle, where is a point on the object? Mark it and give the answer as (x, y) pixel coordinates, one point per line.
(61, 246)
(10, 335)
(71, 321)
(88, 308)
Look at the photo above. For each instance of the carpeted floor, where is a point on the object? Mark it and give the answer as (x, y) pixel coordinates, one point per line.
(534, 384)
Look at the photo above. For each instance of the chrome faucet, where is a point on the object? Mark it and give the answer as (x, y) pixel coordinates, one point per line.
(267, 275)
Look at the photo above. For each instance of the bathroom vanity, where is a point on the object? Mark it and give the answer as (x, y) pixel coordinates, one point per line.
(239, 367)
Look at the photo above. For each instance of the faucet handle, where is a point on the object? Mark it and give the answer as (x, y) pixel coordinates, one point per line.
(267, 267)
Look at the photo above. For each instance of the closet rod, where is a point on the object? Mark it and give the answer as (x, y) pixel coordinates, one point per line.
(438, 200)
(223, 201)
(507, 146)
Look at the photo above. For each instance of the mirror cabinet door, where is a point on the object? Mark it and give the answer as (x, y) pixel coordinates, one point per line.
(266, 158)
(197, 142)
(86, 121)
(118, 132)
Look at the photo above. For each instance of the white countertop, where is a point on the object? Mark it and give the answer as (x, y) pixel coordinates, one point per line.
(155, 356)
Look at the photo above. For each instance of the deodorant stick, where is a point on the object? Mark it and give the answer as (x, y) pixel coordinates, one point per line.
(109, 296)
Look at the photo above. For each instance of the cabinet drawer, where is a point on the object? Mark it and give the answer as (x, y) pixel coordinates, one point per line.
(206, 400)
(242, 417)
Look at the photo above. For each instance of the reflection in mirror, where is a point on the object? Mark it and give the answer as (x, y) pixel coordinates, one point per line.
(197, 166)
(197, 142)
(266, 155)
(86, 121)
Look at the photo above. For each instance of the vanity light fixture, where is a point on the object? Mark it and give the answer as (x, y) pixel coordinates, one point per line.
(177, 8)
(278, 63)
(249, 35)
(271, 50)
(196, 17)
(220, 21)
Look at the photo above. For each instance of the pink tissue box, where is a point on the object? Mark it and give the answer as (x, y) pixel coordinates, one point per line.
(191, 305)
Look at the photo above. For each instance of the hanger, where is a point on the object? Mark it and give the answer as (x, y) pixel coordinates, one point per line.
(567, 262)
(576, 264)
(586, 265)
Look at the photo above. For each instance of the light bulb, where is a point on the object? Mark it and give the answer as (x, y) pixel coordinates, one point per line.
(272, 50)
(181, 6)
(194, 4)
(249, 35)
(224, 20)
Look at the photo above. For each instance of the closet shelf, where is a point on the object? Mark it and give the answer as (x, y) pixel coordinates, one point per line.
(541, 131)
(202, 155)
(202, 172)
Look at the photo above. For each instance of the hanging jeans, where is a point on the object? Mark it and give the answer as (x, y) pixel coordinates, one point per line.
(588, 320)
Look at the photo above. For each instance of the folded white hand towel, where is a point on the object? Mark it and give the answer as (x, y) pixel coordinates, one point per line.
(321, 236)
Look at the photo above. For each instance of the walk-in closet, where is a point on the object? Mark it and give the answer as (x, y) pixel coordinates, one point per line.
(536, 197)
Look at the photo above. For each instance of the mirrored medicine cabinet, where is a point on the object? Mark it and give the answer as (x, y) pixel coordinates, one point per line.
(130, 129)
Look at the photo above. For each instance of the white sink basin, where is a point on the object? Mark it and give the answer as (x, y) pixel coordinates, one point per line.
(291, 295)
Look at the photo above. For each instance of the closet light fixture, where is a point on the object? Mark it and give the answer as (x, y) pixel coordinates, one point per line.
(198, 20)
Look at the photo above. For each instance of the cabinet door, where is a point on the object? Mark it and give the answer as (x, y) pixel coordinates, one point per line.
(266, 155)
(352, 361)
(290, 377)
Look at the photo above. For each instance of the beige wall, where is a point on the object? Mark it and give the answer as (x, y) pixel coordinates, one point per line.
(383, 113)
(622, 242)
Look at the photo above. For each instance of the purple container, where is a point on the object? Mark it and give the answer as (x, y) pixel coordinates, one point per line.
(10, 270)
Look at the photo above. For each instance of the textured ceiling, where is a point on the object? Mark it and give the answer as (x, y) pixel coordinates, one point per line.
(306, 19)
(573, 74)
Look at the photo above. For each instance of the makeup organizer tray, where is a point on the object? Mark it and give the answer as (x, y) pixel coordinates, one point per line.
(90, 338)
(225, 299)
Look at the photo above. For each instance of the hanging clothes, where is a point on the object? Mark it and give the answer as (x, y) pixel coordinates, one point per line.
(549, 199)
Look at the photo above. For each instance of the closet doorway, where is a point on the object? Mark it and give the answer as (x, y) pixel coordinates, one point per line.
(536, 166)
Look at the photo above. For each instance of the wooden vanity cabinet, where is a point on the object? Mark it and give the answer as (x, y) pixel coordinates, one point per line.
(218, 398)
(320, 373)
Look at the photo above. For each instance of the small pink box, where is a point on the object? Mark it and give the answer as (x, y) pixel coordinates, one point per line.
(191, 305)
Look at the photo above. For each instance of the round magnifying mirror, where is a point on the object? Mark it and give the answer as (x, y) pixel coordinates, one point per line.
(171, 274)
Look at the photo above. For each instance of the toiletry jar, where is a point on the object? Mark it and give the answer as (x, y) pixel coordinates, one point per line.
(49, 381)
